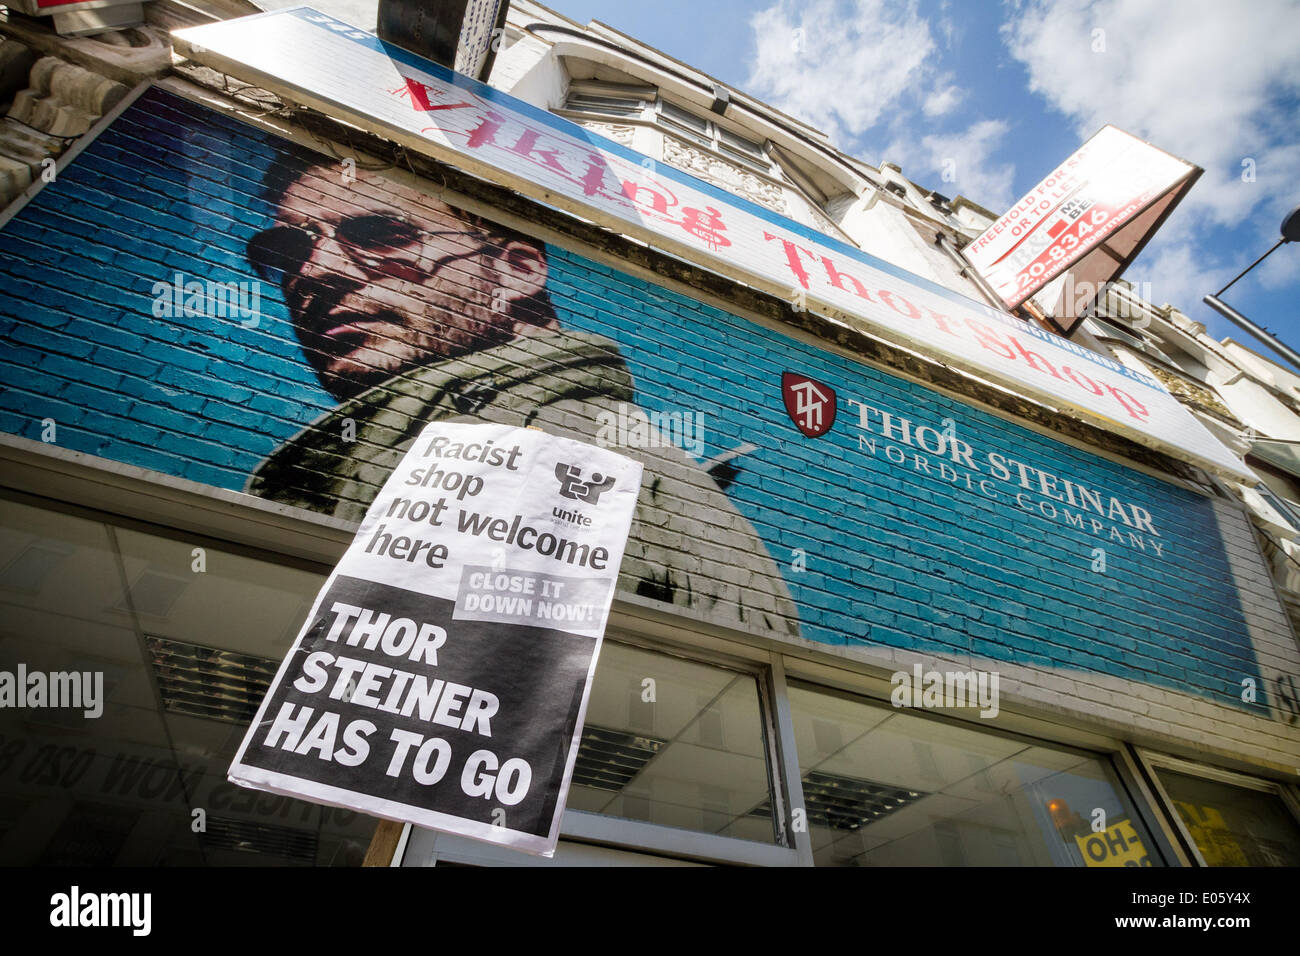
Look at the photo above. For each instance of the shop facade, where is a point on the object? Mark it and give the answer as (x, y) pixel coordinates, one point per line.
(874, 610)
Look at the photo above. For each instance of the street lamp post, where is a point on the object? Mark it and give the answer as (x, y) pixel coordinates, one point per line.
(1290, 233)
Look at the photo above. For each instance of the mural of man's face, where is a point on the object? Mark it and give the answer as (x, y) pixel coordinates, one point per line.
(380, 278)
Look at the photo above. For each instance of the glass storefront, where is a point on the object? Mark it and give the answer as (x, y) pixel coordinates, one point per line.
(674, 742)
(889, 788)
(174, 640)
(186, 637)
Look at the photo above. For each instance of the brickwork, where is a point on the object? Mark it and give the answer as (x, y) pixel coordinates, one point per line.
(916, 526)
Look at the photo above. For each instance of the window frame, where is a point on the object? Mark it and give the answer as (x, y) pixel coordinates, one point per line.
(770, 163)
(1153, 760)
(656, 111)
(1128, 782)
(640, 837)
(761, 163)
(615, 831)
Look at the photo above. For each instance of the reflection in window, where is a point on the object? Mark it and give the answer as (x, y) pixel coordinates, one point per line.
(889, 788)
(674, 742)
(185, 657)
(1234, 826)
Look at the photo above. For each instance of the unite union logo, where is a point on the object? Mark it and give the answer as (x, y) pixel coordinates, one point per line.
(572, 484)
(810, 404)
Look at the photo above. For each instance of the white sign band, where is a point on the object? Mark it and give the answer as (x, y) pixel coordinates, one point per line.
(334, 67)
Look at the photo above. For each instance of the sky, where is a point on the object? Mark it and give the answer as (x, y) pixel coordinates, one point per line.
(1008, 90)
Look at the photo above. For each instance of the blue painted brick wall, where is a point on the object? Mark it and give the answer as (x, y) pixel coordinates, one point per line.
(893, 558)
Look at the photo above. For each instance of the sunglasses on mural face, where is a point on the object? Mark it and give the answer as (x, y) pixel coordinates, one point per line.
(381, 244)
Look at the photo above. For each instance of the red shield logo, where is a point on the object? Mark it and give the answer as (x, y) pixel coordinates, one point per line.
(810, 404)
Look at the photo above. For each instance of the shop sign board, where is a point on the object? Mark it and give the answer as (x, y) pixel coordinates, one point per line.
(329, 65)
(442, 675)
(1085, 222)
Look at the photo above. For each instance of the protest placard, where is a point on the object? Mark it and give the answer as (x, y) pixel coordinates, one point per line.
(442, 675)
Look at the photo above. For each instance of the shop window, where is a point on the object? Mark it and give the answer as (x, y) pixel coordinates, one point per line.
(885, 787)
(674, 742)
(183, 643)
(1234, 825)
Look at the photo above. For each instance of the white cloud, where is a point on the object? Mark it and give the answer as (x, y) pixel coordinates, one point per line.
(948, 27)
(853, 66)
(960, 163)
(943, 100)
(1209, 81)
(1178, 274)
(839, 64)
(1279, 269)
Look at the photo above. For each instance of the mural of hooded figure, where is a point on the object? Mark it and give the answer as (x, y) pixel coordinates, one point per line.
(410, 311)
